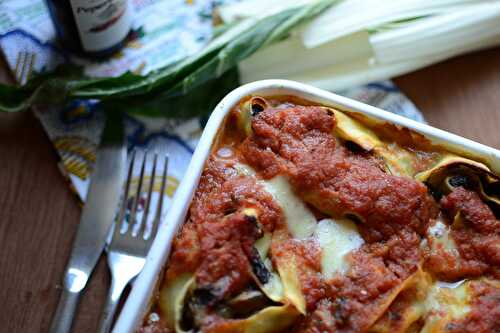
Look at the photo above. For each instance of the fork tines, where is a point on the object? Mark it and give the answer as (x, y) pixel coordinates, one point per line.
(24, 66)
(128, 248)
(134, 226)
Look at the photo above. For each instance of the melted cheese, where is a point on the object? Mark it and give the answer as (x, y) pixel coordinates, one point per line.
(336, 238)
(454, 301)
(300, 220)
(440, 235)
(445, 304)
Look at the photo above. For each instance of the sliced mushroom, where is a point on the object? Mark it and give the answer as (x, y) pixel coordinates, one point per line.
(248, 110)
(248, 303)
(473, 181)
(271, 285)
(193, 312)
(187, 307)
(251, 216)
(445, 162)
(454, 171)
(257, 105)
(259, 269)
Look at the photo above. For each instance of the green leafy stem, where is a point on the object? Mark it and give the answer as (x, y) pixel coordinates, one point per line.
(188, 88)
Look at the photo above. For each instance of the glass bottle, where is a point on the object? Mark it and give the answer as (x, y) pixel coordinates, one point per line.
(93, 28)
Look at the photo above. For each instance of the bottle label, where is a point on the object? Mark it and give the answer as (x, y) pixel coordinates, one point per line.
(101, 23)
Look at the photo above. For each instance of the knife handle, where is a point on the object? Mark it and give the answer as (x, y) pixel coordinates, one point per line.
(65, 312)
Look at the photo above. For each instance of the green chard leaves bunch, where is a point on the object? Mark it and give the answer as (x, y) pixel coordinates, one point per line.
(188, 88)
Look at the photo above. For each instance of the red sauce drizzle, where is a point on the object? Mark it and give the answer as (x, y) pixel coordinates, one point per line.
(394, 211)
(337, 180)
(477, 237)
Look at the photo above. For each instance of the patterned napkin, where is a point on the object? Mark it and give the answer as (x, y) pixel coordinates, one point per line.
(164, 31)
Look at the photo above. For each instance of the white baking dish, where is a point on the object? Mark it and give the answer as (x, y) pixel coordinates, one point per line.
(140, 298)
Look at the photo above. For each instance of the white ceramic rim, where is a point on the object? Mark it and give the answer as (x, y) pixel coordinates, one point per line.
(139, 300)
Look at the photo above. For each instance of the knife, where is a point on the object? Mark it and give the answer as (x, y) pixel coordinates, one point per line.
(96, 220)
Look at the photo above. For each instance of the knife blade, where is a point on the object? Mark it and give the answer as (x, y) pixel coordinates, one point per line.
(96, 220)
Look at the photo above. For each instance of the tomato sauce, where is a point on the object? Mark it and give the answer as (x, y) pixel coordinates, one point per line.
(231, 210)
(484, 316)
(393, 211)
(476, 233)
(298, 142)
(354, 302)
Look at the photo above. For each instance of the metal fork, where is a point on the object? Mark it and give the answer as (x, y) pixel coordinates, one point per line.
(24, 66)
(128, 249)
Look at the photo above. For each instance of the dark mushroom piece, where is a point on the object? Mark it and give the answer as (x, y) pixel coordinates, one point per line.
(247, 111)
(248, 303)
(257, 104)
(196, 308)
(259, 269)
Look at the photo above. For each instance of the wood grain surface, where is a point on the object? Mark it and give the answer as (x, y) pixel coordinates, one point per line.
(461, 95)
(39, 214)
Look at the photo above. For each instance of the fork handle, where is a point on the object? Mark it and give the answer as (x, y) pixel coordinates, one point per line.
(65, 312)
(114, 294)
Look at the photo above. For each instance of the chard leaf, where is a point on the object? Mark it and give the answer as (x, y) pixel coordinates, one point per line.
(156, 92)
(200, 101)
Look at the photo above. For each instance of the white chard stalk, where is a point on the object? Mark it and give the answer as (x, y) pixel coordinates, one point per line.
(358, 41)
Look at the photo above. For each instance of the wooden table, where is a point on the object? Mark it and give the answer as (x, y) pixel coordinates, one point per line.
(39, 215)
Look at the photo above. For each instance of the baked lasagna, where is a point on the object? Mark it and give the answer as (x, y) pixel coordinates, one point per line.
(310, 219)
